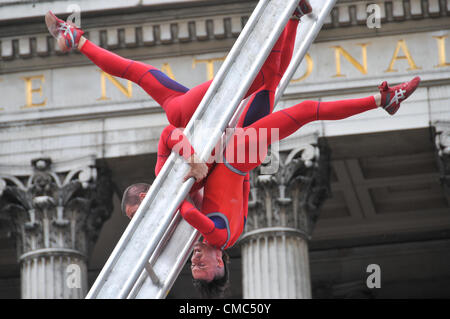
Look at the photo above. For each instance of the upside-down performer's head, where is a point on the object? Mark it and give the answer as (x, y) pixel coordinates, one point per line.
(210, 270)
(133, 197)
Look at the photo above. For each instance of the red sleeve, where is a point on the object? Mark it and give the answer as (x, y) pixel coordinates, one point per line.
(196, 219)
(172, 139)
(213, 235)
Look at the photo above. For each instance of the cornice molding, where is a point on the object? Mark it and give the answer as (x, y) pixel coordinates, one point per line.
(165, 28)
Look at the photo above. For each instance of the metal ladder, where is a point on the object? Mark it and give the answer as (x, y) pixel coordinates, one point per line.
(156, 244)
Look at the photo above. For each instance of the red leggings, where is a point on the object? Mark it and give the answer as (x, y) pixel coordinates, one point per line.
(180, 102)
(240, 151)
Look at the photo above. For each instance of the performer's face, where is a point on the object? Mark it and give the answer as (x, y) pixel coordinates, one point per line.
(131, 210)
(206, 262)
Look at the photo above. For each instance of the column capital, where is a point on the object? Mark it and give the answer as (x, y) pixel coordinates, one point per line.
(55, 207)
(292, 196)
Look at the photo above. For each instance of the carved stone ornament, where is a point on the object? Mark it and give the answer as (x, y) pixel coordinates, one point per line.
(56, 210)
(293, 195)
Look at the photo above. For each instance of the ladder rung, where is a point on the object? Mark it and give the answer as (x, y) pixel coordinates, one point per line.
(152, 274)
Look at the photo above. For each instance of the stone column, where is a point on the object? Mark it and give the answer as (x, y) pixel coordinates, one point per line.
(56, 213)
(283, 209)
(441, 134)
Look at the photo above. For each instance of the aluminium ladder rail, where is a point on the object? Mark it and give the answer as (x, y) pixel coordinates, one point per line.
(177, 243)
(155, 214)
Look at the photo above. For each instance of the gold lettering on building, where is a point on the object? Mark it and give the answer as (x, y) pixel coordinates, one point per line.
(309, 69)
(441, 52)
(401, 45)
(127, 91)
(209, 65)
(338, 51)
(167, 69)
(29, 91)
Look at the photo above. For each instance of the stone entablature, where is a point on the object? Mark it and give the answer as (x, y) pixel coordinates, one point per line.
(167, 30)
(349, 10)
(339, 65)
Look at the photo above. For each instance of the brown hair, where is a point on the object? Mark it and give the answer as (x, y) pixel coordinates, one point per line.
(131, 195)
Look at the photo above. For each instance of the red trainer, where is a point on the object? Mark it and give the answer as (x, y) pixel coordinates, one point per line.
(67, 34)
(304, 7)
(392, 97)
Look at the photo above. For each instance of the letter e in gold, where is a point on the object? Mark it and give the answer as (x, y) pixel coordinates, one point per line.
(29, 90)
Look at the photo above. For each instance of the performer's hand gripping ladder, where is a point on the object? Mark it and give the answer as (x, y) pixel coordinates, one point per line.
(156, 244)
